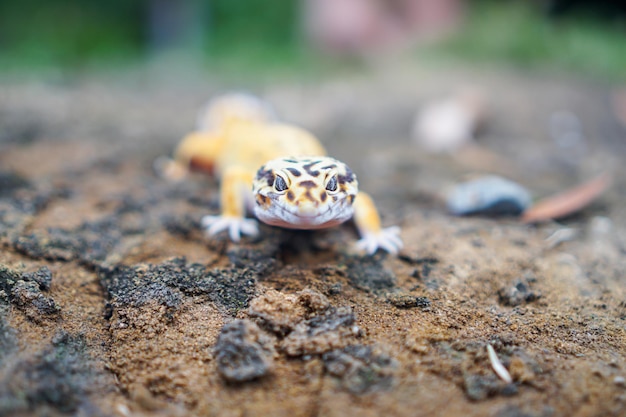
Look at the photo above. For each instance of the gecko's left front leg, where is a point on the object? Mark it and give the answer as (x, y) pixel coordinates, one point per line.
(373, 236)
(234, 190)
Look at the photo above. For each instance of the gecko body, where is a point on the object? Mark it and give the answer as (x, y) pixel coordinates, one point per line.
(280, 173)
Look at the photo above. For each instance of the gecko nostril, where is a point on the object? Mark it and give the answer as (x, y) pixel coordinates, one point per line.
(307, 209)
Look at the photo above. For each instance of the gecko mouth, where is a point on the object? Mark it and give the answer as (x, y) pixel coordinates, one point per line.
(279, 215)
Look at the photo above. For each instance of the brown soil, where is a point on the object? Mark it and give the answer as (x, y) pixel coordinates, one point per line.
(113, 302)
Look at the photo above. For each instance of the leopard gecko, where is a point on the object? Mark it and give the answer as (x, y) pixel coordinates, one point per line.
(280, 173)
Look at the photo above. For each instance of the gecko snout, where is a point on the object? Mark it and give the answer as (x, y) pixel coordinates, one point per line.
(307, 208)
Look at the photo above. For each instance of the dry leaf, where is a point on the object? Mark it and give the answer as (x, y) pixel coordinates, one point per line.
(567, 202)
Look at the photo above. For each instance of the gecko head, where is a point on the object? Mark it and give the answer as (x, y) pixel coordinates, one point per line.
(304, 192)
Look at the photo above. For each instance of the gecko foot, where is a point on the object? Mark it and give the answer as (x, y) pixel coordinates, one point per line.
(169, 169)
(387, 239)
(236, 226)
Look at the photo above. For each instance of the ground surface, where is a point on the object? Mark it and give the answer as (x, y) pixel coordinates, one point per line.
(112, 301)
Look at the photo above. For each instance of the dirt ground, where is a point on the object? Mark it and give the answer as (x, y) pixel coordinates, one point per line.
(114, 303)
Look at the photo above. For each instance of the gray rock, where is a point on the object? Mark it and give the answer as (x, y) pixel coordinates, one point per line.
(491, 195)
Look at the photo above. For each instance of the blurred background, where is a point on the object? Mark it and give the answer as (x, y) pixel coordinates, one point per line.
(305, 36)
(534, 90)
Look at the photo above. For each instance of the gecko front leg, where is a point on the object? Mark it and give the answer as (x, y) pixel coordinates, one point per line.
(373, 236)
(234, 191)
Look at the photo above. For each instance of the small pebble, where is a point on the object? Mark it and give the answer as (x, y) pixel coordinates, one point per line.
(448, 124)
(491, 195)
(520, 292)
(408, 301)
(600, 227)
(562, 235)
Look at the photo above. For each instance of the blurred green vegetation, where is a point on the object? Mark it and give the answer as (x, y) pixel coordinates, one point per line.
(79, 34)
(516, 33)
(254, 36)
(67, 33)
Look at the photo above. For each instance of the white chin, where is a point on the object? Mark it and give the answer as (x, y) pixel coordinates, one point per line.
(302, 223)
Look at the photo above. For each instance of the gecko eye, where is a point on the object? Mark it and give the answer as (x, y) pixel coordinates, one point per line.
(280, 184)
(331, 185)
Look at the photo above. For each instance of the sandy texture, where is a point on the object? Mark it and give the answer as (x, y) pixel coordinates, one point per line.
(114, 303)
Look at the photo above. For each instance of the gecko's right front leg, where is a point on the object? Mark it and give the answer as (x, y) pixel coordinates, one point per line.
(235, 188)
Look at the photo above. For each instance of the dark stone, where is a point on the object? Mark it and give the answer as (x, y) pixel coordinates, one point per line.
(55, 245)
(332, 320)
(479, 387)
(335, 289)
(27, 296)
(408, 301)
(256, 259)
(91, 242)
(43, 277)
(24, 291)
(243, 352)
(8, 279)
(60, 378)
(518, 293)
(138, 286)
(360, 369)
(165, 284)
(368, 273)
(232, 288)
(322, 333)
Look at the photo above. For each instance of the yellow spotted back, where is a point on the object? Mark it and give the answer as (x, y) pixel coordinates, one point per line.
(252, 145)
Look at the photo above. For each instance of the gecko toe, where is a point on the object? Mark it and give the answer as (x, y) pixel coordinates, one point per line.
(387, 239)
(236, 226)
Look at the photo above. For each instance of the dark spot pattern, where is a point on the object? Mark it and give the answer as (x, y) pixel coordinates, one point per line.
(308, 184)
(323, 196)
(347, 178)
(294, 172)
(265, 174)
(309, 196)
(330, 166)
(308, 168)
(262, 200)
(351, 198)
(290, 195)
(291, 161)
